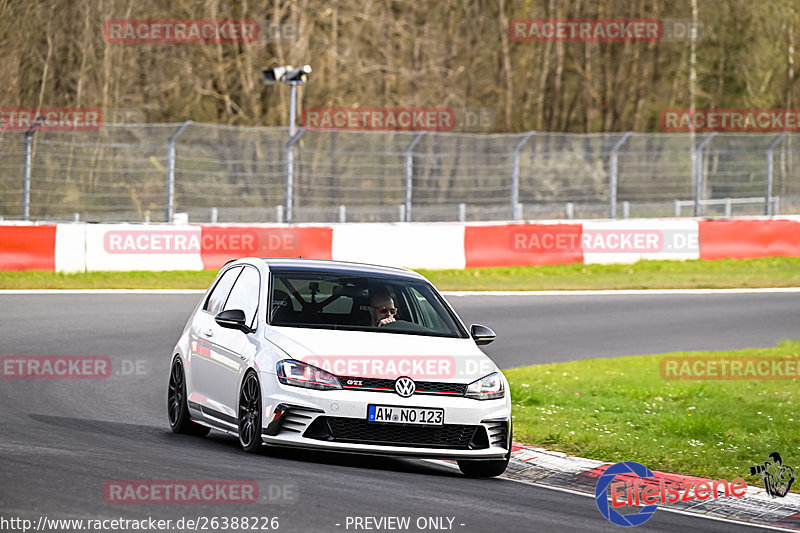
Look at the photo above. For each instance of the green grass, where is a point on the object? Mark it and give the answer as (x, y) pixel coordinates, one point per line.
(621, 409)
(727, 273)
(176, 279)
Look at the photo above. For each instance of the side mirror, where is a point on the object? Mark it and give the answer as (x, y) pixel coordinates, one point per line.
(481, 334)
(232, 319)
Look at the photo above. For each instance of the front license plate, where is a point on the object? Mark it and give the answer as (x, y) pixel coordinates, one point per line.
(405, 415)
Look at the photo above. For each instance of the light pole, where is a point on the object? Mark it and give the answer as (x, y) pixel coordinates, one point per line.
(293, 77)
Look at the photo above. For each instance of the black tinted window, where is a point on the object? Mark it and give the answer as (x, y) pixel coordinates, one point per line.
(345, 301)
(220, 292)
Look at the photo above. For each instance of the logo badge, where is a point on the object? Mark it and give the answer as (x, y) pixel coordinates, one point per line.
(777, 476)
(601, 494)
(405, 387)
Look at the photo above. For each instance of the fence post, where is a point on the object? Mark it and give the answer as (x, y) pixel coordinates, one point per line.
(26, 166)
(409, 173)
(612, 176)
(169, 211)
(26, 175)
(290, 172)
(515, 174)
(698, 172)
(768, 191)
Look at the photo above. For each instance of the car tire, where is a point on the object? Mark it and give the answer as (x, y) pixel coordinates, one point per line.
(249, 414)
(487, 468)
(177, 410)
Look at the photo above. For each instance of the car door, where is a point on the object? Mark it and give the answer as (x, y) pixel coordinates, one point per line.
(233, 348)
(203, 367)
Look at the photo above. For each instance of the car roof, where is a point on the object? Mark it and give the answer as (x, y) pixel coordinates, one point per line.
(338, 267)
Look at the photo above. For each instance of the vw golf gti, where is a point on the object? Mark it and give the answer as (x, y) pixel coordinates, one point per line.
(342, 357)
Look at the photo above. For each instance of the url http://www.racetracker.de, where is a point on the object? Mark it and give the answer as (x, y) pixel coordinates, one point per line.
(46, 524)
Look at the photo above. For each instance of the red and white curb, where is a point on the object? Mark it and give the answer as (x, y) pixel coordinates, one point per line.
(578, 474)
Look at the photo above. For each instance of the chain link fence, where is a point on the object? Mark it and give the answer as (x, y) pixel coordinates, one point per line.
(150, 172)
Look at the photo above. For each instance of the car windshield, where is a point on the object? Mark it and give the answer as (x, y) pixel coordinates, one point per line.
(360, 303)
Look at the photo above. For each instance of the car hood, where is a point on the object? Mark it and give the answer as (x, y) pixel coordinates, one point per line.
(384, 355)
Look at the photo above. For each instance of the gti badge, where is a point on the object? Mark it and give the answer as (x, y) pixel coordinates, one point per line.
(405, 387)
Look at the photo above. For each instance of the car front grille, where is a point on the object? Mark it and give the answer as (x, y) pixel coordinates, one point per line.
(387, 385)
(359, 431)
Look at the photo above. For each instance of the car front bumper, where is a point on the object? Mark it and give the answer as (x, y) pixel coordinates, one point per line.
(336, 420)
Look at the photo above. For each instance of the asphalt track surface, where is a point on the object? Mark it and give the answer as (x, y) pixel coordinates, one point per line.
(62, 440)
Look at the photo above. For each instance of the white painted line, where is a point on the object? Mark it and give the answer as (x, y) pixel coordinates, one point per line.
(625, 292)
(103, 291)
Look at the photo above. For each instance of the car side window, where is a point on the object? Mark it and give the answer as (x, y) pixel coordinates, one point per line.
(216, 300)
(244, 294)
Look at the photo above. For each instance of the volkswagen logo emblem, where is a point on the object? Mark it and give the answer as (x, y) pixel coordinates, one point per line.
(405, 387)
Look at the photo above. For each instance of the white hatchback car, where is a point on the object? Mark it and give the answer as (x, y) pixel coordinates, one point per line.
(343, 357)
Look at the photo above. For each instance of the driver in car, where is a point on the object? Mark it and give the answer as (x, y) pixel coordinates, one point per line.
(381, 308)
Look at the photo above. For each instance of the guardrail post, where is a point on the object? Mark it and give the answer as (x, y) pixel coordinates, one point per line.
(342, 214)
(727, 208)
(570, 210)
(279, 214)
(515, 174)
(698, 172)
(462, 212)
(290, 171)
(768, 191)
(169, 211)
(214, 214)
(409, 174)
(626, 209)
(677, 208)
(612, 175)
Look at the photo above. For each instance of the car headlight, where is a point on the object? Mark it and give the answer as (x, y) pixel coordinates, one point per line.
(486, 388)
(299, 374)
